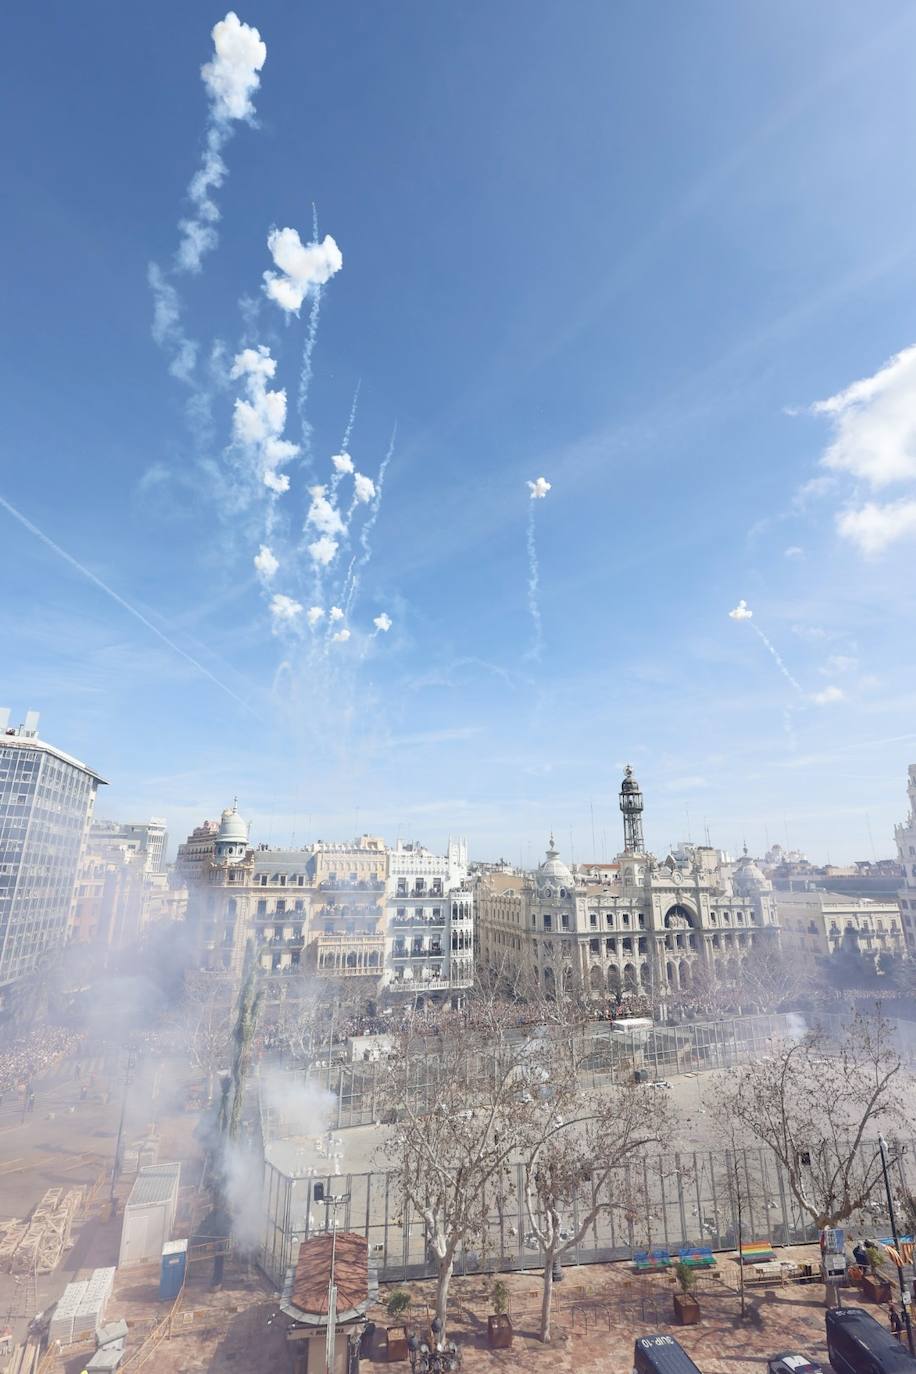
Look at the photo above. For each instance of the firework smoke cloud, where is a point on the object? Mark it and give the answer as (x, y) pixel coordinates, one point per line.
(259, 420)
(343, 463)
(382, 623)
(231, 78)
(266, 563)
(313, 615)
(341, 636)
(300, 267)
(323, 551)
(539, 488)
(284, 610)
(741, 612)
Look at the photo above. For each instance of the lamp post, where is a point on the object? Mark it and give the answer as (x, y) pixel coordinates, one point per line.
(904, 1295)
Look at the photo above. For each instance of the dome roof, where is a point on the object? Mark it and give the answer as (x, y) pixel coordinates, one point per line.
(749, 878)
(232, 828)
(553, 870)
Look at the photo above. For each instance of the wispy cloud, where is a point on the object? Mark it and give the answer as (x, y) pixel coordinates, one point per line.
(874, 442)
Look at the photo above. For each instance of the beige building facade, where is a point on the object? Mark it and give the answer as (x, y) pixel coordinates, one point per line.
(817, 925)
(637, 925)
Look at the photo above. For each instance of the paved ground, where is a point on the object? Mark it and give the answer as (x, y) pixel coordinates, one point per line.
(600, 1310)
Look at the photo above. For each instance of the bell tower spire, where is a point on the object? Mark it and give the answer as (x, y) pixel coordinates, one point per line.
(631, 809)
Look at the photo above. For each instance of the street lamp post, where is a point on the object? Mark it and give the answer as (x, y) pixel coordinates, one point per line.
(904, 1295)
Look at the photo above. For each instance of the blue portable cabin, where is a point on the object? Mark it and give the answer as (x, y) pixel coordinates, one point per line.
(173, 1269)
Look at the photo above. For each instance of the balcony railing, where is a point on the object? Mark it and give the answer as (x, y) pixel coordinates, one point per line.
(351, 885)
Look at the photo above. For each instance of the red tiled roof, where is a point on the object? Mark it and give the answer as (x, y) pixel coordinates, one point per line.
(313, 1273)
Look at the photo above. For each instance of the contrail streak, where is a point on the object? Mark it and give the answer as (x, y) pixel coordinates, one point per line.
(779, 663)
(533, 582)
(125, 605)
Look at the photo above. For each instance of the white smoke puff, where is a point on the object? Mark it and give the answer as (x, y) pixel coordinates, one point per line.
(828, 696)
(254, 362)
(322, 551)
(231, 75)
(301, 267)
(363, 488)
(539, 488)
(284, 609)
(341, 636)
(314, 614)
(258, 421)
(342, 462)
(266, 563)
(741, 612)
(322, 514)
(382, 622)
(336, 613)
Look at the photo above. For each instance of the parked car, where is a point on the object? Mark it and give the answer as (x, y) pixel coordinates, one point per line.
(790, 1362)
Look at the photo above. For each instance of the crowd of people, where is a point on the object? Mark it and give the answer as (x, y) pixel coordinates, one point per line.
(30, 1057)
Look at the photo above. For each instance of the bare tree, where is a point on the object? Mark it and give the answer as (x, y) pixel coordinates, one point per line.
(452, 1151)
(573, 1166)
(203, 1023)
(815, 1102)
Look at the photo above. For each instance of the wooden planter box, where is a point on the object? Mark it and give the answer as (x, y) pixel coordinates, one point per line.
(396, 1344)
(499, 1331)
(686, 1309)
(876, 1289)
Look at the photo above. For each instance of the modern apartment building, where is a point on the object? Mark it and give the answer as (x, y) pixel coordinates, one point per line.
(146, 838)
(46, 805)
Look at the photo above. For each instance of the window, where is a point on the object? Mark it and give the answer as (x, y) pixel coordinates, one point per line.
(594, 946)
(548, 922)
(593, 919)
(564, 920)
(281, 907)
(262, 908)
(609, 918)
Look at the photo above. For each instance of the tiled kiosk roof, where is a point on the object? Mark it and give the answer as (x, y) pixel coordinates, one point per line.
(305, 1298)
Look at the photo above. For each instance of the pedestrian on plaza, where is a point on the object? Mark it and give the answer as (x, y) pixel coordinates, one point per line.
(896, 1323)
(30, 1102)
(860, 1255)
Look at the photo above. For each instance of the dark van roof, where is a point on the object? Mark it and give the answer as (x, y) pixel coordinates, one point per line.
(663, 1355)
(878, 1341)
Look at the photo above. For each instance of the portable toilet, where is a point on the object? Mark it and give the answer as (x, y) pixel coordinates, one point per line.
(172, 1272)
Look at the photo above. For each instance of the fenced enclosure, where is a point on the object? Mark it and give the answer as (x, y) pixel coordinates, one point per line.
(671, 1199)
(603, 1052)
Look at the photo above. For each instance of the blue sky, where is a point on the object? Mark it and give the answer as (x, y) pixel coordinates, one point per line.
(625, 247)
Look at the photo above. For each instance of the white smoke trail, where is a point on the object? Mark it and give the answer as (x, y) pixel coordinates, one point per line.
(537, 491)
(534, 606)
(345, 442)
(793, 682)
(231, 78)
(308, 349)
(125, 605)
(359, 561)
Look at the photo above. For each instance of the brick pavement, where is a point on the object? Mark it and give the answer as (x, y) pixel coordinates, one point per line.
(600, 1310)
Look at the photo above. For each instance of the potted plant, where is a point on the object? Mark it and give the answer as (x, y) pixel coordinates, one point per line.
(397, 1304)
(499, 1323)
(875, 1285)
(686, 1307)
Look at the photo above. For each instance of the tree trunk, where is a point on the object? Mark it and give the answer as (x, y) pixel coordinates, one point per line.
(442, 1283)
(547, 1297)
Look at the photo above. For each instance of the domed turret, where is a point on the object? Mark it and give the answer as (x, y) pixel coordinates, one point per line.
(748, 879)
(232, 836)
(553, 872)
